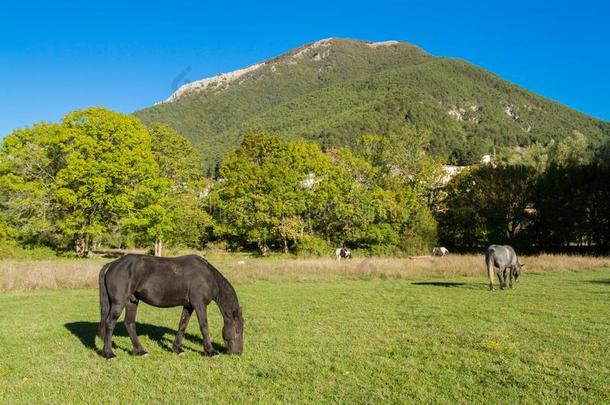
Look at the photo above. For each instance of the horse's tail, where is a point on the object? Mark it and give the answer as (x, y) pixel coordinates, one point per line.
(104, 301)
(489, 257)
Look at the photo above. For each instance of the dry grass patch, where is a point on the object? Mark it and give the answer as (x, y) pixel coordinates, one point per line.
(83, 273)
(375, 267)
(37, 274)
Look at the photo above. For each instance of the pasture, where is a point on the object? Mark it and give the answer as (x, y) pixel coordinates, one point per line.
(372, 330)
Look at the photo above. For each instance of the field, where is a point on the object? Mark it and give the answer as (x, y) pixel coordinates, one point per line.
(372, 330)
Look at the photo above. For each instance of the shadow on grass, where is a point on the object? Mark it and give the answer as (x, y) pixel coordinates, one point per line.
(605, 281)
(110, 254)
(87, 331)
(441, 283)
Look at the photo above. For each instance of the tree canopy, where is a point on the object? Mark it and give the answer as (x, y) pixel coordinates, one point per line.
(72, 182)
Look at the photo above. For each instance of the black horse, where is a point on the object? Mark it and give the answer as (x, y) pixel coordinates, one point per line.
(187, 281)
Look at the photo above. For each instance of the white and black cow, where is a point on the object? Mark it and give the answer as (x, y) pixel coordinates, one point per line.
(343, 253)
(440, 251)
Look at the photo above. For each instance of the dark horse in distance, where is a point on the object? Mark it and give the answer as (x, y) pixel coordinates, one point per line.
(187, 281)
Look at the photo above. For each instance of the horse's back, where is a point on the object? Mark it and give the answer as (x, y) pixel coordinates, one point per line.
(160, 281)
(500, 255)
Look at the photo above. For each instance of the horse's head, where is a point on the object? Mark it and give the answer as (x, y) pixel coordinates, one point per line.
(517, 269)
(233, 332)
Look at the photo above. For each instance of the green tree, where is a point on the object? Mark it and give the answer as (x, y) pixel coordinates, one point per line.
(486, 204)
(172, 210)
(275, 193)
(402, 154)
(75, 181)
(261, 191)
(30, 159)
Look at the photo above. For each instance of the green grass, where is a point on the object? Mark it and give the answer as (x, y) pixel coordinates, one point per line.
(381, 340)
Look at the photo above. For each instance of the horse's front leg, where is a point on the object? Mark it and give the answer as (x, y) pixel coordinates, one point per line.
(130, 324)
(510, 278)
(184, 321)
(202, 316)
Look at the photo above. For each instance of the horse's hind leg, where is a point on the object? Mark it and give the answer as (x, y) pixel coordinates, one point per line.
(184, 321)
(490, 274)
(202, 316)
(113, 316)
(501, 277)
(130, 324)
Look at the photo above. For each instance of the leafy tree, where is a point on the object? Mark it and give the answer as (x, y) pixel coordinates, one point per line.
(275, 193)
(178, 160)
(260, 196)
(108, 159)
(75, 181)
(172, 210)
(29, 162)
(572, 205)
(569, 151)
(486, 205)
(401, 159)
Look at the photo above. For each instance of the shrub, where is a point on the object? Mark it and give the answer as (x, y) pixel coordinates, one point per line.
(312, 245)
(11, 250)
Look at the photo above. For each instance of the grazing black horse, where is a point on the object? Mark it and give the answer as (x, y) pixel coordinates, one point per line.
(187, 281)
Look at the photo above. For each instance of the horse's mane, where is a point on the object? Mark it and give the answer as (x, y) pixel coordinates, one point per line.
(227, 297)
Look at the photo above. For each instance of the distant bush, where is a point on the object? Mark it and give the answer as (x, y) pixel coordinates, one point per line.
(312, 245)
(10, 250)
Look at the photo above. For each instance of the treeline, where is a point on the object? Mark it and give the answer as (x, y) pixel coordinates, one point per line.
(553, 199)
(100, 177)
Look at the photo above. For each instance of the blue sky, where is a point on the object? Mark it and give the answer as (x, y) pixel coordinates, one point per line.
(59, 56)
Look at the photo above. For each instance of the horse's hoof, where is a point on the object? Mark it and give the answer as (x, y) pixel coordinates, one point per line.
(142, 353)
(181, 353)
(211, 353)
(109, 356)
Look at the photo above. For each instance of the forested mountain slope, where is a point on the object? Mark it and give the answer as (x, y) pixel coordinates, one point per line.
(334, 90)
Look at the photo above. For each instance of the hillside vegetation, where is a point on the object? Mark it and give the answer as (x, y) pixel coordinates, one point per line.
(334, 91)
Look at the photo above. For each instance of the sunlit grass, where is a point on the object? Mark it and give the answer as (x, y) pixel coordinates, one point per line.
(417, 339)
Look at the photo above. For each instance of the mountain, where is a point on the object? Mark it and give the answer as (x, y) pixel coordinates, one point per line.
(334, 90)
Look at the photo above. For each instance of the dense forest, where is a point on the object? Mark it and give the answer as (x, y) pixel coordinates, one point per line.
(101, 178)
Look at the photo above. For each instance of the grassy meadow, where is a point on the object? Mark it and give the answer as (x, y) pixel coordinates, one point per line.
(365, 330)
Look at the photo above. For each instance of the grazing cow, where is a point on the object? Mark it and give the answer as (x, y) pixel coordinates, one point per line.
(343, 253)
(188, 281)
(440, 251)
(502, 257)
